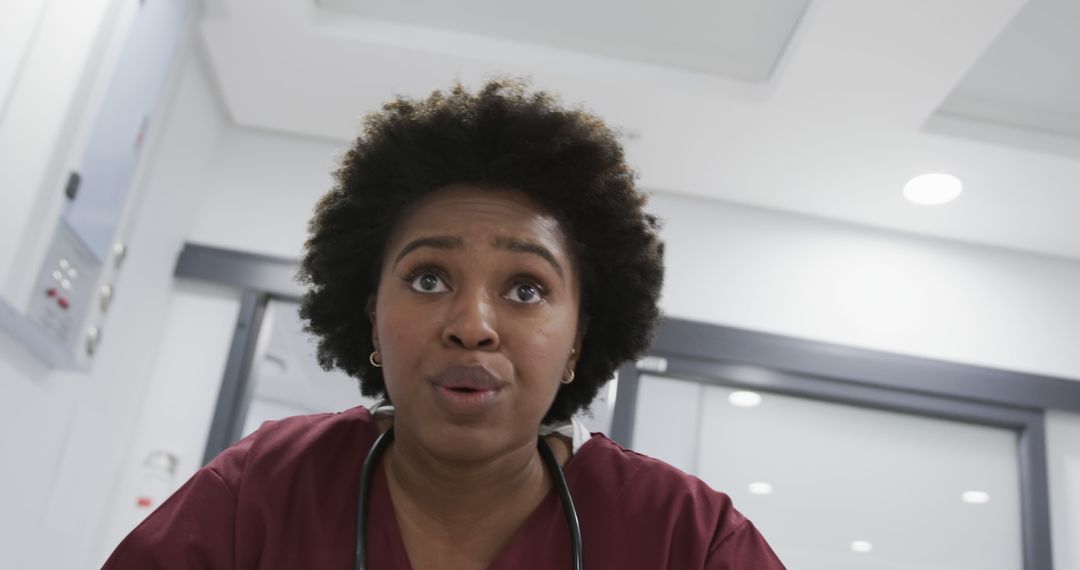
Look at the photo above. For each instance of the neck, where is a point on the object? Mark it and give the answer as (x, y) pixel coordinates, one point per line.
(461, 496)
(462, 514)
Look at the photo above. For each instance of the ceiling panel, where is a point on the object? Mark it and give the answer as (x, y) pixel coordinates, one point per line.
(1030, 76)
(741, 39)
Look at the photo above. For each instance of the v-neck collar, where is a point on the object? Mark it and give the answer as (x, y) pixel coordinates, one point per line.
(386, 549)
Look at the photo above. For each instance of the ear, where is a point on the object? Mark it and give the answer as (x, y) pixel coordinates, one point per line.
(578, 340)
(370, 308)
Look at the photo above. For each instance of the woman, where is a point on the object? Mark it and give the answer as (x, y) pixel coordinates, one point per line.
(484, 264)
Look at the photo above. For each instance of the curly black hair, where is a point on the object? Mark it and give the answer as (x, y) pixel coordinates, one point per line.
(505, 137)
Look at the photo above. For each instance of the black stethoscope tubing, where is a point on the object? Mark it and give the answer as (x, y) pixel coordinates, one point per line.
(367, 474)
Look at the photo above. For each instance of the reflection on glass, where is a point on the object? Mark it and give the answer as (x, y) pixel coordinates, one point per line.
(850, 488)
(286, 377)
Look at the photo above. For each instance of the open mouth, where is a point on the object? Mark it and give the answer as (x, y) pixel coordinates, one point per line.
(465, 399)
(467, 389)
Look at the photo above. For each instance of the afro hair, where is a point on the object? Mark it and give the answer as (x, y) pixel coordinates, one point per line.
(502, 136)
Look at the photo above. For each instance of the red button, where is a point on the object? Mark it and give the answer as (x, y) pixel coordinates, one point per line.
(62, 302)
(51, 292)
(143, 502)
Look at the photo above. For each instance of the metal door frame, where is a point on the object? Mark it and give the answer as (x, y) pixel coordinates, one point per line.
(738, 358)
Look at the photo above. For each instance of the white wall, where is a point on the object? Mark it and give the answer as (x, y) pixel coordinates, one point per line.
(766, 271)
(63, 436)
(798, 276)
(175, 414)
(262, 189)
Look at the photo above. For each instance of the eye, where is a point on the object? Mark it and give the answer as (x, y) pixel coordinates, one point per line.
(526, 293)
(428, 282)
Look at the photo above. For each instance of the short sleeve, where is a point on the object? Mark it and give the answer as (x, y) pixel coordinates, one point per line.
(192, 529)
(743, 549)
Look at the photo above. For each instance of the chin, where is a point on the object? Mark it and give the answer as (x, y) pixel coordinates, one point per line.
(471, 442)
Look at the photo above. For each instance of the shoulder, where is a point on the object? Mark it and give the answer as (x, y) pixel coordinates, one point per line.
(287, 443)
(645, 513)
(622, 470)
(233, 507)
(634, 486)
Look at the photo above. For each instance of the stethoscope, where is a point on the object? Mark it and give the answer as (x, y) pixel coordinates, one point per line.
(545, 453)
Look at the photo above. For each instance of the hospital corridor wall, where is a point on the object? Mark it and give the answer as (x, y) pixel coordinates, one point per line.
(74, 444)
(65, 435)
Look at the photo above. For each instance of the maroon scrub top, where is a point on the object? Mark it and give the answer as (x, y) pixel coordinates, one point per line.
(285, 497)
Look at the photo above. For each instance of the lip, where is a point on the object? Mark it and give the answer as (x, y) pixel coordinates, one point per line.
(466, 389)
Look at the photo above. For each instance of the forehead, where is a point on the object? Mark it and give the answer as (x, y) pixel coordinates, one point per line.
(471, 212)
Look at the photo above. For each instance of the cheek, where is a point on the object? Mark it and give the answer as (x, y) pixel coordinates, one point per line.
(400, 333)
(546, 351)
(398, 337)
(401, 361)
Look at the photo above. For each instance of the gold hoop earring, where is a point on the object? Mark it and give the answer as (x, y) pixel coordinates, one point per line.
(569, 376)
(375, 359)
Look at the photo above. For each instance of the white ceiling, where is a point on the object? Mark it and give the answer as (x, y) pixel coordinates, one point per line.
(1030, 76)
(737, 38)
(845, 118)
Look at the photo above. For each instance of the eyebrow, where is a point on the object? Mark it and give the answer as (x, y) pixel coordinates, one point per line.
(501, 242)
(436, 242)
(514, 244)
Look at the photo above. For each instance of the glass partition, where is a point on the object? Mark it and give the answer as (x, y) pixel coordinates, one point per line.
(286, 379)
(841, 487)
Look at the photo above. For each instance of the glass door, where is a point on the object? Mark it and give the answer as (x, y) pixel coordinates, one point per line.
(286, 379)
(841, 487)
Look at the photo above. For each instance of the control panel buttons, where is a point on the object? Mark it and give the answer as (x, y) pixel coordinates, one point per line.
(65, 297)
(93, 338)
(106, 296)
(119, 253)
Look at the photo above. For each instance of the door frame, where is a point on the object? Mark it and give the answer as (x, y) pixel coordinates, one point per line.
(751, 360)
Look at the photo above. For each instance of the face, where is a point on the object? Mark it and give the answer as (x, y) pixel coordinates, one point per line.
(476, 316)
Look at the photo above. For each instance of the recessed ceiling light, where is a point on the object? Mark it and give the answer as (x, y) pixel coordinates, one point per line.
(975, 497)
(760, 488)
(744, 399)
(861, 546)
(933, 189)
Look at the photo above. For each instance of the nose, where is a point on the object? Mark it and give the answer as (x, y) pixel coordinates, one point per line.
(471, 323)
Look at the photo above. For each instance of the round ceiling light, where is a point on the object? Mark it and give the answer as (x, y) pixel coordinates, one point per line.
(975, 497)
(933, 189)
(861, 546)
(744, 399)
(760, 488)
